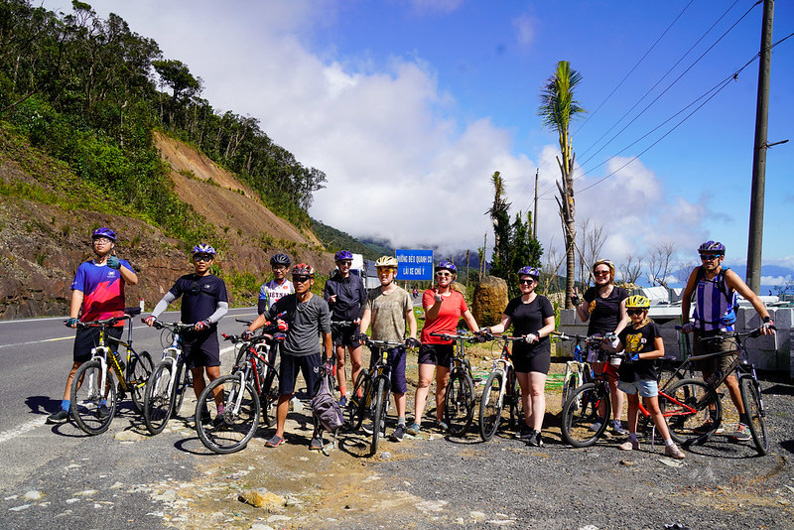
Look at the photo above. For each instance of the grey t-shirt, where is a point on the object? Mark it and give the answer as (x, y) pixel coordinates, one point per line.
(306, 321)
(388, 313)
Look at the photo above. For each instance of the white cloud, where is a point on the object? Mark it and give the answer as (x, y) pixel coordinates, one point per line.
(773, 281)
(524, 26)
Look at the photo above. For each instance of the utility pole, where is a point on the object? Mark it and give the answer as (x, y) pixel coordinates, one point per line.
(756, 231)
(535, 210)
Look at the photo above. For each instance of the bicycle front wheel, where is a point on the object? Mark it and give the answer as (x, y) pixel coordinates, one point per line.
(459, 402)
(515, 402)
(159, 398)
(492, 405)
(231, 431)
(570, 382)
(381, 403)
(581, 425)
(93, 406)
(754, 409)
(138, 372)
(358, 403)
(686, 410)
(181, 388)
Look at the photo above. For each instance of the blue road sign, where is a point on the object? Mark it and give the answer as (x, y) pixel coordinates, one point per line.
(414, 264)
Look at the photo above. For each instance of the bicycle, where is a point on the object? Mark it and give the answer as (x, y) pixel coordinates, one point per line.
(701, 396)
(459, 401)
(251, 387)
(500, 392)
(168, 384)
(94, 395)
(577, 371)
(371, 391)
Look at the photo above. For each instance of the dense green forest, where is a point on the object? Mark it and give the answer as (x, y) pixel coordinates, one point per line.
(334, 240)
(90, 92)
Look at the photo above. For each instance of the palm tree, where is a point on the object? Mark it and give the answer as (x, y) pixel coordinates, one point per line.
(557, 107)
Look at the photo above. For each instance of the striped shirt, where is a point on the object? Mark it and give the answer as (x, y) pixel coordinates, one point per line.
(713, 309)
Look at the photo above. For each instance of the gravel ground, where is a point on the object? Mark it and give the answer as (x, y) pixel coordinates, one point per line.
(504, 482)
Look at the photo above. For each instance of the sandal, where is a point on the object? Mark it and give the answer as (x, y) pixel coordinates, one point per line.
(275, 441)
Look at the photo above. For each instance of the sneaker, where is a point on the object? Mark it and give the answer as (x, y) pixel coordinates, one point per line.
(59, 417)
(618, 429)
(102, 412)
(630, 445)
(534, 439)
(525, 433)
(343, 401)
(367, 427)
(397, 435)
(707, 427)
(206, 419)
(275, 441)
(442, 426)
(742, 433)
(596, 426)
(413, 429)
(219, 421)
(316, 444)
(674, 452)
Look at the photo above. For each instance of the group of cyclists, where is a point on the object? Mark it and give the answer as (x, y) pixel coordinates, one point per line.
(335, 325)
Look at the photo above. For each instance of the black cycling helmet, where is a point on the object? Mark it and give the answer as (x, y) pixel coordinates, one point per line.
(280, 259)
(446, 265)
(104, 232)
(343, 255)
(712, 247)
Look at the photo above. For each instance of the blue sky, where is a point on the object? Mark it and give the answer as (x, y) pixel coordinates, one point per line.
(410, 106)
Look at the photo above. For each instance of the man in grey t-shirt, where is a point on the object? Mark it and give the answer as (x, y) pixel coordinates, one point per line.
(309, 320)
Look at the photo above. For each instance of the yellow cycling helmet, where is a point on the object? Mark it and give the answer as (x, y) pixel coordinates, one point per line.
(386, 261)
(637, 302)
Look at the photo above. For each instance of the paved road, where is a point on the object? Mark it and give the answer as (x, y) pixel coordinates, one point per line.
(35, 356)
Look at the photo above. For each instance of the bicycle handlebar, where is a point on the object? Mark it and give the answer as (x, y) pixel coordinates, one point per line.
(460, 335)
(107, 322)
(383, 344)
(342, 323)
(175, 327)
(592, 339)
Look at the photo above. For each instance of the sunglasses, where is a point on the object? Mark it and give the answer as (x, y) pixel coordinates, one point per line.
(634, 311)
(345, 262)
(444, 274)
(301, 279)
(601, 273)
(385, 270)
(202, 257)
(709, 257)
(529, 281)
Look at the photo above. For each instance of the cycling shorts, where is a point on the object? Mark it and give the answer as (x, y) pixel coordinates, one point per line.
(438, 354)
(345, 335)
(536, 363)
(201, 349)
(87, 338)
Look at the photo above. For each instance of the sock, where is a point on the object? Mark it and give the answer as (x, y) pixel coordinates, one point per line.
(342, 391)
(401, 421)
(632, 436)
(221, 408)
(743, 418)
(65, 405)
(669, 442)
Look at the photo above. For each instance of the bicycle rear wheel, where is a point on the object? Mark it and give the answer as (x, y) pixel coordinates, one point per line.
(93, 407)
(381, 400)
(159, 400)
(580, 415)
(269, 397)
(459, 402)
(514, 402)
(138, 371)
(231, 431)
(358, 402)
(754, 409)
(686, 410)
(492, 405)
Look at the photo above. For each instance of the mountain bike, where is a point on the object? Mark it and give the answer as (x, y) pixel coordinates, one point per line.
(501, 393)
(577, 371)
(459, 401)
(252, 387)
(94, 394)
(371, 392)
(168, 384)
(702, 396)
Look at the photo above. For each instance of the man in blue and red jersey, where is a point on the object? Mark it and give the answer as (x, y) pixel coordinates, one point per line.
(97, 294)
(204, 303)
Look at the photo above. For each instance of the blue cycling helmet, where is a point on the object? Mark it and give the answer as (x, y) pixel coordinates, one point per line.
(712, 247)
(104, 232)
(203, 248)
(343, 255)
(446, 265)
(529, 271)
(280, 259)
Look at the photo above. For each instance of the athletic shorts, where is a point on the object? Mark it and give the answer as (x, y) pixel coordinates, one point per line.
(201, 349)
(345, 335)
(396, 360)
(438, 354)
(644, 387)
(87, 338)
(596, 354)
(536, 363)
(308, 365)
(719, 362)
